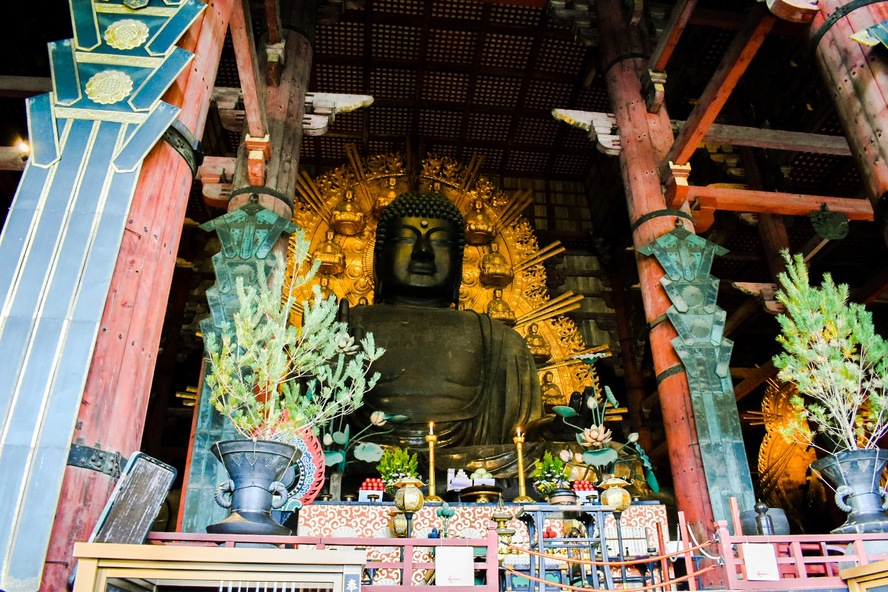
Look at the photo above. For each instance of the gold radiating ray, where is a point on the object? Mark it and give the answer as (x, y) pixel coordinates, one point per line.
(312, 196)
(357, 167)
(470, 175)
(550, 250)
(560, 305)
(516, 205)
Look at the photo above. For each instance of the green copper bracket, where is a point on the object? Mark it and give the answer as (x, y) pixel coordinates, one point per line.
(705, 358)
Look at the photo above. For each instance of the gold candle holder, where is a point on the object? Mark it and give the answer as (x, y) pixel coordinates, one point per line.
(522, 486)
(432, 439)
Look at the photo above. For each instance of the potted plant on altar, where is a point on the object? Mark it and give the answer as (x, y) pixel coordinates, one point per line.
(276, 380)
(396, 467)
(551, 478)
(399, 470)
(839, 365)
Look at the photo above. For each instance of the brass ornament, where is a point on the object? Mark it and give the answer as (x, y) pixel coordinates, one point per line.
(368, 185)
(126, 34)
(109, 87)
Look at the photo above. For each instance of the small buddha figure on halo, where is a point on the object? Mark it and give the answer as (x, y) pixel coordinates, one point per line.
(537, 344)
(347, 218)
(331, 255)
(385, 197)
(551, 392)
(499, 309)
(326, 290)
(479, 226)
(495, 269)
(473, 377)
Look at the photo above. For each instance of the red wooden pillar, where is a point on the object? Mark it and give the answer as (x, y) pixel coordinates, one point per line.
(857, 77)
(115, 398)
(284, 108)
(645, 139)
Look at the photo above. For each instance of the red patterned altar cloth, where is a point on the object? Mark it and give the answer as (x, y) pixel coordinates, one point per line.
(471, 521)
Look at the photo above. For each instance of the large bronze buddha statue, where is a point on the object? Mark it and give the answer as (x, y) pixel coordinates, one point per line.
(473, 376)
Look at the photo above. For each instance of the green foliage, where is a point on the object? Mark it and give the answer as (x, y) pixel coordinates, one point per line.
(338, 441)
(836, 360)
(273, 379)
(550, 473)
(396, 464)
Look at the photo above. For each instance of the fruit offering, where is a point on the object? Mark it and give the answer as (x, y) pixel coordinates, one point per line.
(583, 485)
(372, 484)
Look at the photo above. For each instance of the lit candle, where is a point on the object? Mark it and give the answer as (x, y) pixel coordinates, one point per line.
(518, 431)
(431, 428)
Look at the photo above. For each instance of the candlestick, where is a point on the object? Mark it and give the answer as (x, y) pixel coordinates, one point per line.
(432, 439)
(522, 487)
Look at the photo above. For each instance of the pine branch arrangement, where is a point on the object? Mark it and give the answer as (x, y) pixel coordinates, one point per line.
(274, 380)
(838, 363)
(397, 464)
(550, 473)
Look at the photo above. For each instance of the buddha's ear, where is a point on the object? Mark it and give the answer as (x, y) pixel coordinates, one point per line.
(457, 282)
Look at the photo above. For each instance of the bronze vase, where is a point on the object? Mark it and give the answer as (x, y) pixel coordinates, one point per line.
(562, 495)
(255, 468)
(855, 475)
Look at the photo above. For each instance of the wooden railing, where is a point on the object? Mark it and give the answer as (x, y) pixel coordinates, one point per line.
(803, 562)
(393, 564)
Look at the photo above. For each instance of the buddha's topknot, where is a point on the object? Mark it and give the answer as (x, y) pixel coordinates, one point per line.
(424, 205)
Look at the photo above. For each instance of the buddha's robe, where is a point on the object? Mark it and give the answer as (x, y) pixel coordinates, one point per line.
(472, 376)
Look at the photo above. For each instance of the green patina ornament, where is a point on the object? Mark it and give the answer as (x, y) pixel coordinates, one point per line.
(829, 225)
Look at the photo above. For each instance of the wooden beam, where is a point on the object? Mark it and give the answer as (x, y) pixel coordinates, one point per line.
(795, 11)
(755, 379)
(722, 83)
(678, 20)
(870, 291)
(754, 137)
(247, 69)
(768, 202)
(24, 86)
(11, 159)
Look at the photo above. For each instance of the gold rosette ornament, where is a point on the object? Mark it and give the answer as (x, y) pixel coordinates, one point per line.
(126, 34)
(109, 87)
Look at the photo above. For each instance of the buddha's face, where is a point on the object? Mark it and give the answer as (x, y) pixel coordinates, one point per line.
(419, 260)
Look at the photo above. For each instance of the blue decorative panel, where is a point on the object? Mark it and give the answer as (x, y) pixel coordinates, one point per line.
(65, 82)
(60, 246)
(42, 131)
(145, 137)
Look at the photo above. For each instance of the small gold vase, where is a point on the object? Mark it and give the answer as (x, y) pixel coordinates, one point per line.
(408, 497)
(614, 495)
(398, 524)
